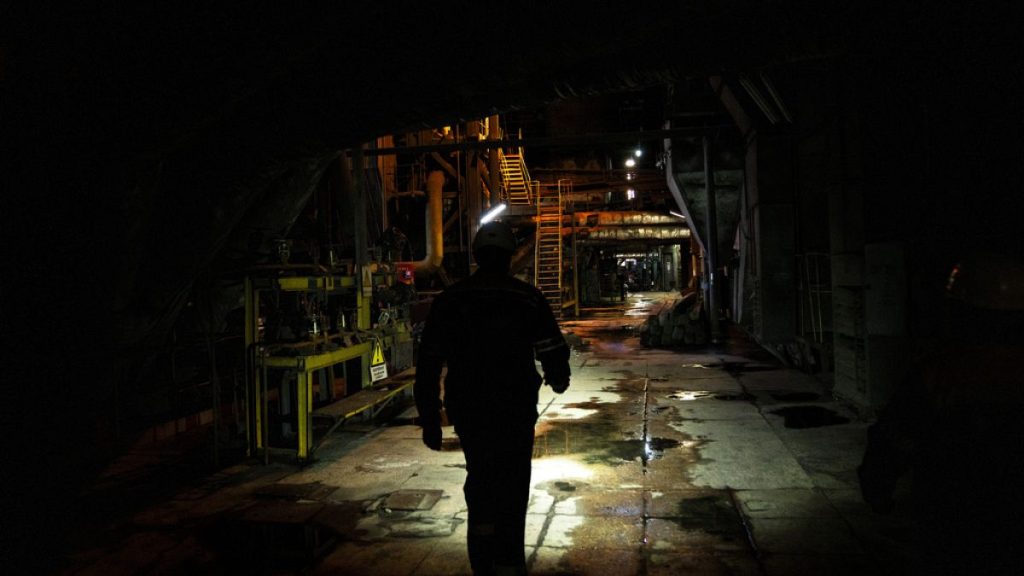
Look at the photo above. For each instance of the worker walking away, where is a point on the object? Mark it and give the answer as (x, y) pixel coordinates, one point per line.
(489, 329)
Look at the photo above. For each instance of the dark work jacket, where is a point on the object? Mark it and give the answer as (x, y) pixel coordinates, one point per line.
(488, 329)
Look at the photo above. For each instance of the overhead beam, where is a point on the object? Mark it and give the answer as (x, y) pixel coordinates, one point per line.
(551, 141)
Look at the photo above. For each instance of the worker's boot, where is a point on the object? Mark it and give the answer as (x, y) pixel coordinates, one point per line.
(481, 548)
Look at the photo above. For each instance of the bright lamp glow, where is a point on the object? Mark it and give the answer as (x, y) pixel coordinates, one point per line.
(492, 213)
(630, 193)
(638, 152)
(630, 162)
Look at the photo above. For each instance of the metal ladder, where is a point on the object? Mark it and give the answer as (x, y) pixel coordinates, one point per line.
(548, 248)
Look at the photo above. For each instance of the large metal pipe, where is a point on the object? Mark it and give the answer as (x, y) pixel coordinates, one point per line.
(431, 262)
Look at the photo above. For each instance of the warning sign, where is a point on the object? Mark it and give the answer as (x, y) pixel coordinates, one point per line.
(378, 369)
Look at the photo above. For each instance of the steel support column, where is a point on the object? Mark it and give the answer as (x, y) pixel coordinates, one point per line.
(364, 280)
(711, 256)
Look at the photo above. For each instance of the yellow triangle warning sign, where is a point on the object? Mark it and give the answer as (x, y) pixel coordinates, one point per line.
(378, 354)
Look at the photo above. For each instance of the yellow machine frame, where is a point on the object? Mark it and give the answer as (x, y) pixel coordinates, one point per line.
(259, 360)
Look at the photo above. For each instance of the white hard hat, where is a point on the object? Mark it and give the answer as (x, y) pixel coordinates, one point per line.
(496, 234)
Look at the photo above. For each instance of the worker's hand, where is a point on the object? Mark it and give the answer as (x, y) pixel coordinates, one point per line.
(559, 385)
(432, 437)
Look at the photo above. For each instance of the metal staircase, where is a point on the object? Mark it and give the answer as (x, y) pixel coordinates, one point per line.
(515, 178)
(548, 249)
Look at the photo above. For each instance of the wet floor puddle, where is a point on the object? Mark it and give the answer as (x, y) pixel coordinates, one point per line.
(712, 514)
(809, 417)
(562, 489)
(599, 441)
(691, 395)
(743, 396)
(741, 367)
(734, 367)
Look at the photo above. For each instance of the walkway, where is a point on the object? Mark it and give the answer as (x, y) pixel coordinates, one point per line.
(656, 461)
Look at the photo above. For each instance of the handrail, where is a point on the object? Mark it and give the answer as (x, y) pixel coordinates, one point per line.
(514, 163)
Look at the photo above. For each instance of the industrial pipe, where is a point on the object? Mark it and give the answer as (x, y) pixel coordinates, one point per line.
(431, 262)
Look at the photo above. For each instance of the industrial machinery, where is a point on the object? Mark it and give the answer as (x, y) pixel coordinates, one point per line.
(321, 343)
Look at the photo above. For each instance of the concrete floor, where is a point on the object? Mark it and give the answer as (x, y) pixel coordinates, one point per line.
(709, 461)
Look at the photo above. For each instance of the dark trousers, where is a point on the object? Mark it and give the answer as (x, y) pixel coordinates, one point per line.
(498, 463)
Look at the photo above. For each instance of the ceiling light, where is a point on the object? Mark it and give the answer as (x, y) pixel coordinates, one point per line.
(492, 213)
(638, 152)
